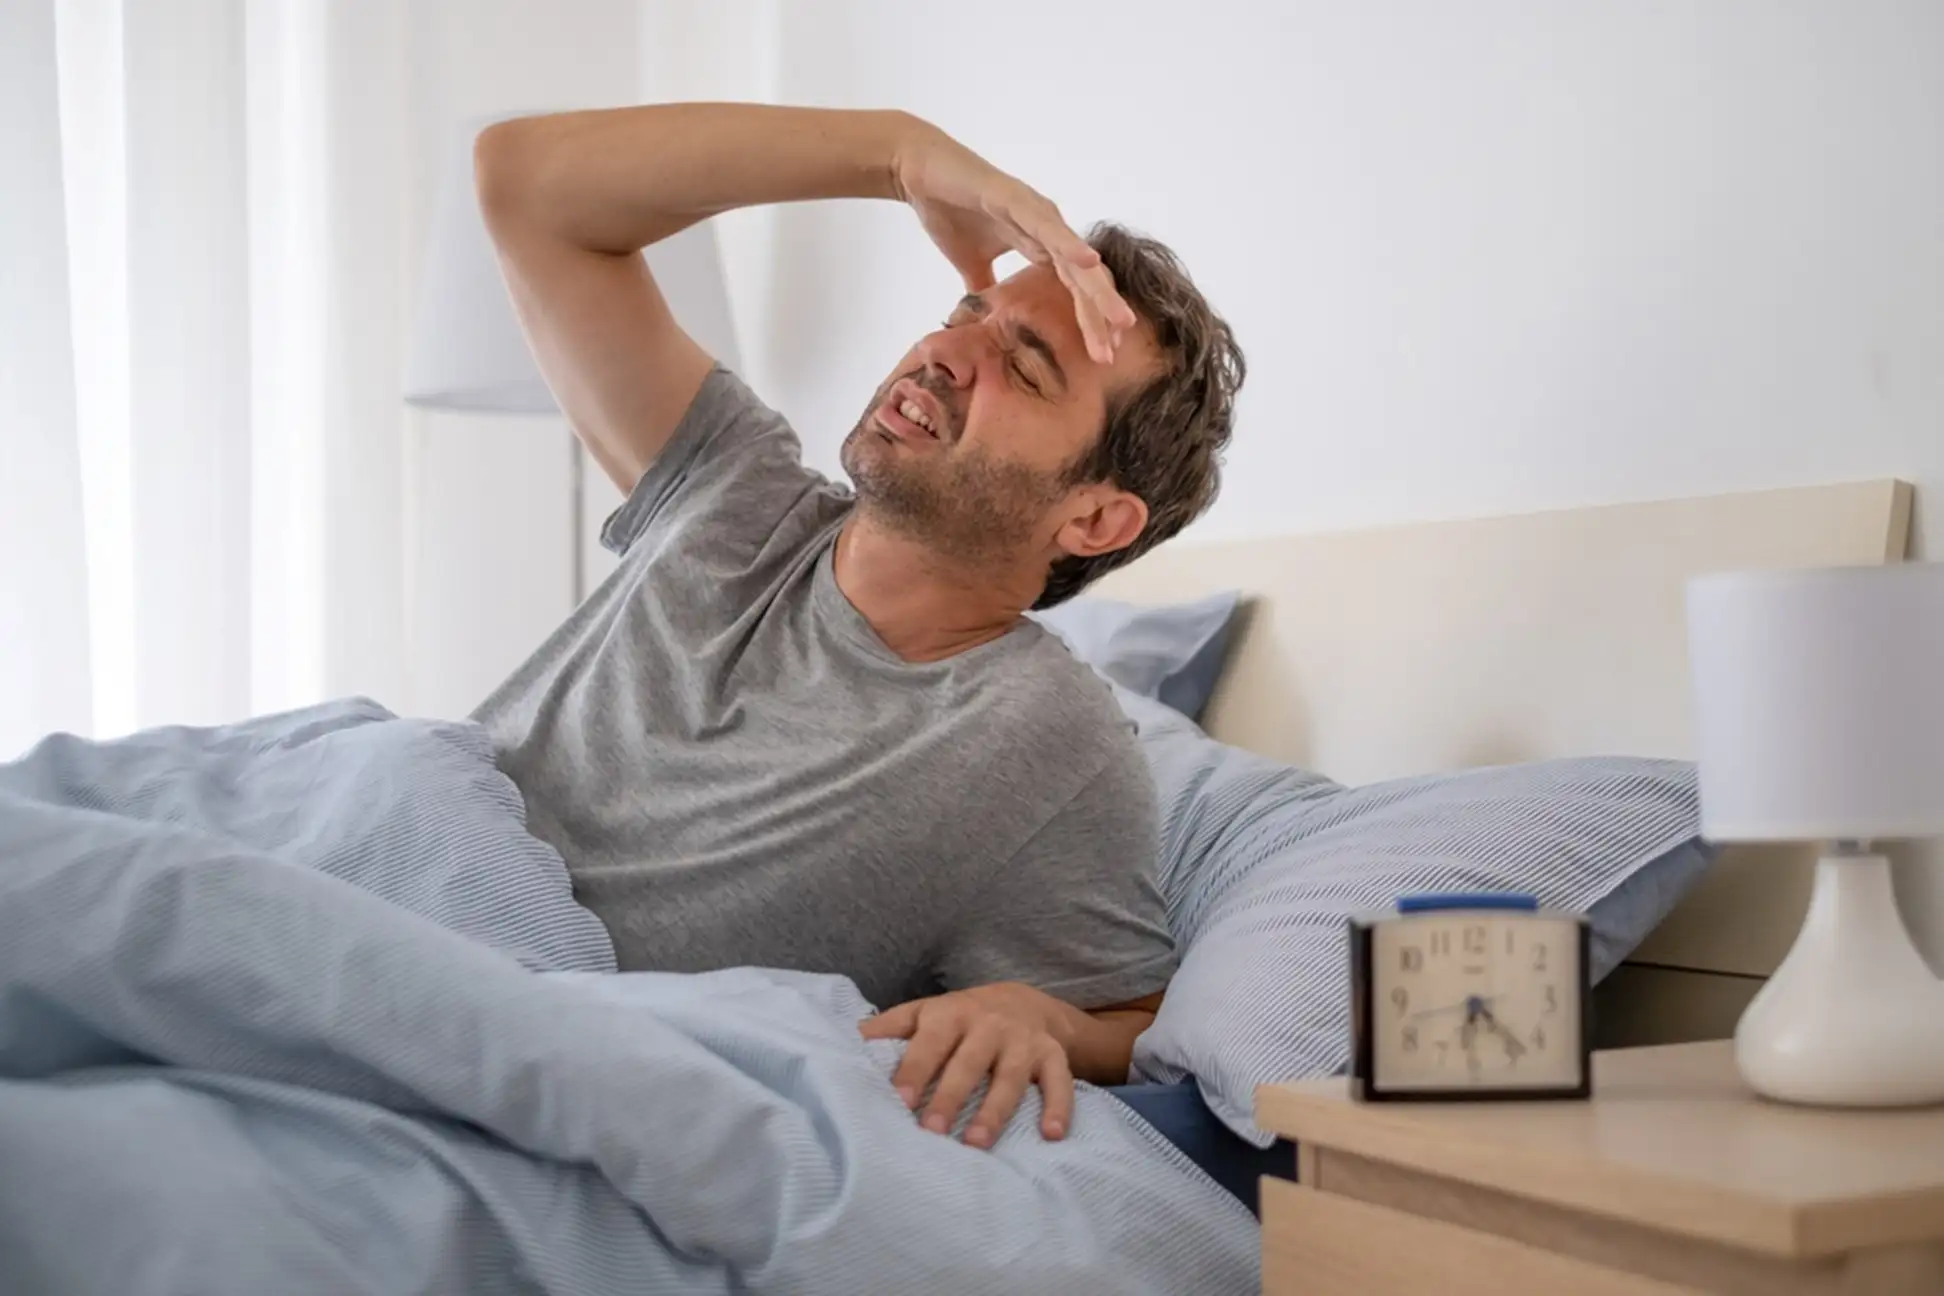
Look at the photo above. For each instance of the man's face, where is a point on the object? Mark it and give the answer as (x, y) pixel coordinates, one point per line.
(969, 444)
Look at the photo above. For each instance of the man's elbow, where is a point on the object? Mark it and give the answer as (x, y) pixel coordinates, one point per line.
(504, 168)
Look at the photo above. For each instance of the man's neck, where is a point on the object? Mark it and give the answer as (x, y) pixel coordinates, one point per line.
(924, 607)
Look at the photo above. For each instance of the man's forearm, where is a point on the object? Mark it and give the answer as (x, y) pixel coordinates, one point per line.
(616, 180)
(1100, 1045)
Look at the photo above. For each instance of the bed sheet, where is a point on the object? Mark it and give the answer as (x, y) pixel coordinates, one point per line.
(271, 1060)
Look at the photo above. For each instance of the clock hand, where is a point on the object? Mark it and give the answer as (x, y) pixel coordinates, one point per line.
(1467, 1038)
(1512, 1046)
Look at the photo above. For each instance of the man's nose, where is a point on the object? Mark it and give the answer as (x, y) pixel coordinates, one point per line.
(951, 354)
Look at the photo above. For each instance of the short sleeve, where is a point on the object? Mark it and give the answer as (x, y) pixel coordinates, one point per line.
(1077, 912)
(730, 452)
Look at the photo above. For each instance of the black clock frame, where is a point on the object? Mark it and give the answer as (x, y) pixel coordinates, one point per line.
(1363, 1084)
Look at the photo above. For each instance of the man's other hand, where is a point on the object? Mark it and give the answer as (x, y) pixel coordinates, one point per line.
(976, 213)
(1008, 1032)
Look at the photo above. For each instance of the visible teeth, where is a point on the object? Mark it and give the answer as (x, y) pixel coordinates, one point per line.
(910, 409)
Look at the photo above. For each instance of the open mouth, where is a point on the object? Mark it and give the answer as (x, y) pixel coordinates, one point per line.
(911, 410)
(911, 413)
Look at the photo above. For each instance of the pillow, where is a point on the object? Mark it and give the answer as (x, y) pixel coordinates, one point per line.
(1262, 864)
(1172, 653)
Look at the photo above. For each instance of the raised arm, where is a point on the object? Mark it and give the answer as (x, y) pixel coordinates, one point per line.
(572, 198)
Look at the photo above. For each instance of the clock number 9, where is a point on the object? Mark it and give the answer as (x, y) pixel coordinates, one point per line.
(1400, 999)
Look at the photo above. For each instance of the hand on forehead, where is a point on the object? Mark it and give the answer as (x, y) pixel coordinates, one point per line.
(1037, 295)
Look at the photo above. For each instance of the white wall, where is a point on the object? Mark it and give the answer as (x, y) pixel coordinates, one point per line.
(702, 49)
(491, 523)
(1486, 257)
(1483, 257)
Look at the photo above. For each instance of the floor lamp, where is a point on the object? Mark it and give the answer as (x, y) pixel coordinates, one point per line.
(467, 351)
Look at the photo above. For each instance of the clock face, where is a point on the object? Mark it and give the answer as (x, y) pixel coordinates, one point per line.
(1475, 1000)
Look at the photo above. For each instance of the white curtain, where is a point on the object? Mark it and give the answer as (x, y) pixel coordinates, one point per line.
(202, 283)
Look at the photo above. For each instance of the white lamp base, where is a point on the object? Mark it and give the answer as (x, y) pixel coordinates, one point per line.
(1854, 1017)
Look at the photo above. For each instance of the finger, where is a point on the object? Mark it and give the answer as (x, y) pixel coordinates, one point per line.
(977, 275)
(895, 1023)
(1089, 275)
(1056, 1093)
(1044, 222)
(1093, 329)
(1010, 1076)
(932, 1045)
(1098, 281)
(1098, 338)
(971, 1062)
(1024, 243)
(1107, 296)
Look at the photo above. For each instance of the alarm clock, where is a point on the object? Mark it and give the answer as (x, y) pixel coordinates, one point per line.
(1470, 996)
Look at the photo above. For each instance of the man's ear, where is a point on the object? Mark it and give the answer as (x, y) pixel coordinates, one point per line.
(1107, 518)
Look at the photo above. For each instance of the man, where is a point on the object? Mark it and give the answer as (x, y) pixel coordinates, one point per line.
(808, 727)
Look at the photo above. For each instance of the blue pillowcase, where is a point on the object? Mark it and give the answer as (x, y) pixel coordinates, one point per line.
(1262, 864)
(1173, 653)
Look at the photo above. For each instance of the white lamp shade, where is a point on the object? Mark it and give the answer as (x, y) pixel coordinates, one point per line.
(468, 352)
(1819, 702)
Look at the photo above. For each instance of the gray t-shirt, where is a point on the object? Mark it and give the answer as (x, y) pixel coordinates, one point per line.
(739, 772)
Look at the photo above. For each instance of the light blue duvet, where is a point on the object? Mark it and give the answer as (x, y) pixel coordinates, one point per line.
(295, 1006)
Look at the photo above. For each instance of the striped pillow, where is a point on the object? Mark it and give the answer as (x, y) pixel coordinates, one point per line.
(1262, 864)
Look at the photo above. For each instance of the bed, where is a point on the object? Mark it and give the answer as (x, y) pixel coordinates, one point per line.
(1397, 651)
(296, 1005)
(1400, 650)
(364, 1078)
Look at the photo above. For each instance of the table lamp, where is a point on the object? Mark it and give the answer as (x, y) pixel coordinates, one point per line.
(468, 352)
(1819, 717)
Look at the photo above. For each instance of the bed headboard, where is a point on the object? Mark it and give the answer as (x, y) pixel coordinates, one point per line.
(1400, 650)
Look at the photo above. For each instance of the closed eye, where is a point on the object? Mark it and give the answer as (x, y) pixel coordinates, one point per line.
(1019, 371)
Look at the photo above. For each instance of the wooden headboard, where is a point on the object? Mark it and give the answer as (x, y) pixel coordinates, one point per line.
(1402, 650)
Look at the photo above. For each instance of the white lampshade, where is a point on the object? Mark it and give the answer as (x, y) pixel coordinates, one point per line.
(468, 352)
(1819, 702)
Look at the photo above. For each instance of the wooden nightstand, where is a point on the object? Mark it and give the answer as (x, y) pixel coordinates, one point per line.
(1673, 1178)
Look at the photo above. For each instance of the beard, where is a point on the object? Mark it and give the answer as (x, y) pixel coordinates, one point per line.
(961, 503)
